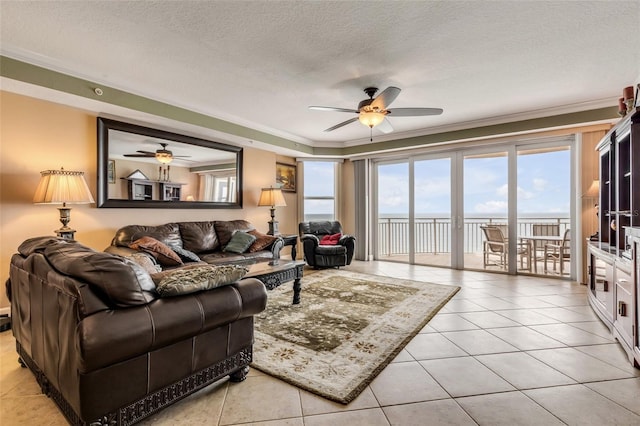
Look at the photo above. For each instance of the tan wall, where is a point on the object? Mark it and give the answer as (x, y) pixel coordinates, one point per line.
(590, 172)
(37, 135)
(347, 210)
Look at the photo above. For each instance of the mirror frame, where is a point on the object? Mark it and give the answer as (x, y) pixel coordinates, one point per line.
(105, 124)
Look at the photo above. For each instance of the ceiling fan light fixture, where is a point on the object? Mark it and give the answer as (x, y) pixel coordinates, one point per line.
(371, 118)
(164, 157)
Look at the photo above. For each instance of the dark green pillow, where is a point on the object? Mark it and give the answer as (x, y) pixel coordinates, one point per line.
(239, 243)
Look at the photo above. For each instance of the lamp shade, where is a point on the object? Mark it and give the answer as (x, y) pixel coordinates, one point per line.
(371, 118)
(594, 190)
(164, 157)
(271, 197)
(62, 187)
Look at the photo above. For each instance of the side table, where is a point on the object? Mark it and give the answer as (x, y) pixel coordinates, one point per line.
(291, 240)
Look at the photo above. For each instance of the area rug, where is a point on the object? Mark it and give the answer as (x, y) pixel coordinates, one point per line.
(346, 329)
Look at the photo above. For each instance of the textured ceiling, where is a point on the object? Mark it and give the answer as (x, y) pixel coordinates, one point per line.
(262, 63)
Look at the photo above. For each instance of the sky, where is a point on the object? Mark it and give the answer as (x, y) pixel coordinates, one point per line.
(543, 185)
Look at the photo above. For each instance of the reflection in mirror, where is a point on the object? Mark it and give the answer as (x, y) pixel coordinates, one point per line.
(144, 167)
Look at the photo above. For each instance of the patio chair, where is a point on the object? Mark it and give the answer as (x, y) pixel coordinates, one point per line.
(559, 252)
(496, 245)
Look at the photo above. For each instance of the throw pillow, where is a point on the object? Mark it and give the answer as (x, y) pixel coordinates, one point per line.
(184, 254)
(160, 251)
(262, 241)
(239, 243)
(143, 276)
(147, 262)
(190, 280)
(330, 240)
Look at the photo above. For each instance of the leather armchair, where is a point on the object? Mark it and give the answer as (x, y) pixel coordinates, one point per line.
(325, 256)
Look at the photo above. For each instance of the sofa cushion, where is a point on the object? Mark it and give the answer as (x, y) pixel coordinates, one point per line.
(226, 228)
(162, 252)
(110, 276)
(168, 234)
(199, 237)
(190, 280)
(239, 243)
(262, 241)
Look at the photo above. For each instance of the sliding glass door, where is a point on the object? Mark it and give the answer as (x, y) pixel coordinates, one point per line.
(491, 209)
(544, 207)
(393, 212)
(486, 209)
(432, 229)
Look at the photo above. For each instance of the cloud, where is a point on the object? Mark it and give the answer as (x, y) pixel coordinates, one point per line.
(523, 194)
(540, 184)
(495, 206)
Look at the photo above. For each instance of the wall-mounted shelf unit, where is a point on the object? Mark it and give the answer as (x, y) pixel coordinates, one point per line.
(143, 189)
(613, 260)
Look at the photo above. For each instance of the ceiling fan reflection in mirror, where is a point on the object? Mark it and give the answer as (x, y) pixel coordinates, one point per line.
(163, 155)
(373, 112)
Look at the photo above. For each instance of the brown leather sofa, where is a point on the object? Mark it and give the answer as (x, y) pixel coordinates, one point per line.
(206, 239)
(106, 348)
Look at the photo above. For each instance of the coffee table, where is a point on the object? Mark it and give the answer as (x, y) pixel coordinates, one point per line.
(274, 275)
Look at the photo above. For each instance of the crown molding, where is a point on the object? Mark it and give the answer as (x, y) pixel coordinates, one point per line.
(80, 93)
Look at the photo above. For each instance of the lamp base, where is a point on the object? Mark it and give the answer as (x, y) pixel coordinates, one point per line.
(273, 228)
(65, 233)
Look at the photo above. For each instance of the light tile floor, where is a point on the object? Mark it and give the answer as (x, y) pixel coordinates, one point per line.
(505, 351)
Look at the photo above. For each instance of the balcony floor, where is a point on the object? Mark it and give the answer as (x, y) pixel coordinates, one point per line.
(474, 261)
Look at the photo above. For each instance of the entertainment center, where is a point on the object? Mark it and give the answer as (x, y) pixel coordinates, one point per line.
(614, 258)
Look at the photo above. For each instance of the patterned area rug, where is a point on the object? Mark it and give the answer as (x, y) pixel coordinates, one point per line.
(346, 329)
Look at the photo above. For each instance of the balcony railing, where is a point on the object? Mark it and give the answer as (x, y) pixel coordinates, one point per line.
(433, 235)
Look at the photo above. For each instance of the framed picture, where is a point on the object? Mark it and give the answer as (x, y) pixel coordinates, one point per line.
(286, 177)
(111, 171)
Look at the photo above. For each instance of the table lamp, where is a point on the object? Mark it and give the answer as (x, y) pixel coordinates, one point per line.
(63, 187)
(272, 197)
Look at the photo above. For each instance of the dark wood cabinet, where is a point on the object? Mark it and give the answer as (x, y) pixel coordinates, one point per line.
(613, 260)
(619, 202)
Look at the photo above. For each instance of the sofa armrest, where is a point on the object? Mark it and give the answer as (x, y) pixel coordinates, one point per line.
(275, 247)
(349, 241)
(310, 239)
(309, 244)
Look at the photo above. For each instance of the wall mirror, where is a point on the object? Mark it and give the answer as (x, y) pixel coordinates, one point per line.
(144, 167)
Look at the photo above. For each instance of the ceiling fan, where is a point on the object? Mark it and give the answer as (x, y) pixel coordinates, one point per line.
(163, 155)
(373, 112)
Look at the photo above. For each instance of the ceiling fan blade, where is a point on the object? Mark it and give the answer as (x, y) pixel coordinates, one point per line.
(139, 155)
(146, 152)
(324, 108)
(344, 123)
(385, 126)
(384, 99)
(412, 112)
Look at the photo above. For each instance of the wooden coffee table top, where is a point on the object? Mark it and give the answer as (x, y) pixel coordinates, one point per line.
(263, 268)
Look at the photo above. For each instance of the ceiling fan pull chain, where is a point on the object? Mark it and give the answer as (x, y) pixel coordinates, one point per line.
(371, 137)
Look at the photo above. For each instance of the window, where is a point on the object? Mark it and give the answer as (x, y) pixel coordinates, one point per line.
(319, 190)
(218, 187)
